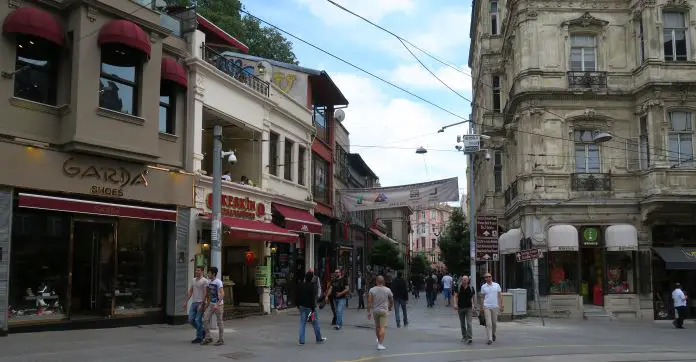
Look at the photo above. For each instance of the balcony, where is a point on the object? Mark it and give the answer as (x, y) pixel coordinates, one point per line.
(587, 80)
(231, 68)
(590, 182)
(511, 193)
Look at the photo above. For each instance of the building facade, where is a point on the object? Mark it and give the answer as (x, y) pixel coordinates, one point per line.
(395, 225)
(613, 216)
(361, 176)
(96, 190)
(427, 225)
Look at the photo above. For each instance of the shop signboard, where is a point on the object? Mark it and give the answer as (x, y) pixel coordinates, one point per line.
(238, 207)
(590, 236)
(529, 255)
(487, 238)
(263, 275)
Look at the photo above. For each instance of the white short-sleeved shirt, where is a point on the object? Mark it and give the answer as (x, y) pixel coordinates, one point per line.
(490, 295)
(447, 282)
(678, 298)
(199, 286)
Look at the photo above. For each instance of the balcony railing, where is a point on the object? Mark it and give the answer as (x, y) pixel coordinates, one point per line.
(511, 193)
(590, 182)
(231, 68)
(587, 80)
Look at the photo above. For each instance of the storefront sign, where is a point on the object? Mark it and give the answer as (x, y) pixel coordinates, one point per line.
(263, 275)
(242, 208)
(590, 236)
(113, 179)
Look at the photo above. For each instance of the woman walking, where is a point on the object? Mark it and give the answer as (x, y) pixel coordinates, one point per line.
(307, 304)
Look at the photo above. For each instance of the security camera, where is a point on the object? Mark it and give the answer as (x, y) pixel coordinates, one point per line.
(231, 157)
(487, 155)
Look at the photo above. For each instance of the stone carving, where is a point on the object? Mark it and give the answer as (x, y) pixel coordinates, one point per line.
(586, 20)
(200, 85)
(590, 113)
(647, 3)
(92, 14)
(531, 14)
(679, 3)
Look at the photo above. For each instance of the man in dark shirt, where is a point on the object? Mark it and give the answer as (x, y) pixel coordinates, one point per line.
(430, 290)
(400, 290)
(338, 290)
(464, 303)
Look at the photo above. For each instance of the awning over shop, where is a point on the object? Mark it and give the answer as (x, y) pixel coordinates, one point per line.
(621, 237)
(509, 242)
(257, 230)
(298, 219)
(678, 258)
(563, 237)
(42, 202)
(383, 236)
(33, 21)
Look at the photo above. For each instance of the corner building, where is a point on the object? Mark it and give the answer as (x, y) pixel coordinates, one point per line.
(615, 218)
(94, 186)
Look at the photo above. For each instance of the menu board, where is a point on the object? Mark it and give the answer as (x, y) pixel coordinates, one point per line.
(263, 275)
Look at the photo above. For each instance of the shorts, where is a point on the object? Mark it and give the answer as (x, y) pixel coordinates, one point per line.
(448, 293)
(380, 318)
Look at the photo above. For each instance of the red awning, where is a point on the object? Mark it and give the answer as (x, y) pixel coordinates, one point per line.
(258, 230)
(173, 71)
(298, 219)
(215, 35)
(32, 201)
(36, 22)
(125, 33)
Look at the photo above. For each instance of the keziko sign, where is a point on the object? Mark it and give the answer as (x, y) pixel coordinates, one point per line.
(414, 195)
(239, 207)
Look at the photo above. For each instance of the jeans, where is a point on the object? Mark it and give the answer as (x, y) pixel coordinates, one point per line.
(361, 299)
(465, 322)
(680, 316)
(491, 315)
(400, 303)
(447, 293)
(340, 307)
(304, 312)
(430, 297)
(195, 317)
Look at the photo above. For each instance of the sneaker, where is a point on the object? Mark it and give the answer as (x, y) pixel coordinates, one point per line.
(489, 342)
(207, 341)
(196, 341)
(464, 340)
(494, 338)
(470, 341)
(381, 347)
(218, 343)
(337, 328)
(323, 339)
(398, 325)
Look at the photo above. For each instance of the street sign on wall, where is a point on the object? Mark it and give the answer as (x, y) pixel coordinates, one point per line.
(487, 238)
(472, 143)
(529, 255)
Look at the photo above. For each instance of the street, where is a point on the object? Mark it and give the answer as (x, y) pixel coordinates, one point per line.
(433, 335)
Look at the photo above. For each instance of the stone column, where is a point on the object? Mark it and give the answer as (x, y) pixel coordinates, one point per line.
(265, 156)
(652, 34)
(295, 162)
(281, 157)
(195, 130)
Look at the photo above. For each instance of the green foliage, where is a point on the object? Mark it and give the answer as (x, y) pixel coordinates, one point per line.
(419, 265)
(454, 244)
(263, 41)
(386, 254)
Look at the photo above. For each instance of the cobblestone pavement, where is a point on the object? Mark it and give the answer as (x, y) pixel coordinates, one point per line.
(433, 336)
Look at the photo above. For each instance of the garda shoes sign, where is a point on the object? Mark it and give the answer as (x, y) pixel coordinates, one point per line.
(238, 207)
(107, 181)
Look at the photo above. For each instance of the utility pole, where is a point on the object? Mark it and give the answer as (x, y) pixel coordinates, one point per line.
(215, 237)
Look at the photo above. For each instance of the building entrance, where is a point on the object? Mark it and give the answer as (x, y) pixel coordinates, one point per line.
(592, 274)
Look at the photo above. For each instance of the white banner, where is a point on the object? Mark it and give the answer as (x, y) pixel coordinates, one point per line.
(414, 195)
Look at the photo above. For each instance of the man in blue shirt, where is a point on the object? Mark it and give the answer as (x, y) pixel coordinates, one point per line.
(214, 297)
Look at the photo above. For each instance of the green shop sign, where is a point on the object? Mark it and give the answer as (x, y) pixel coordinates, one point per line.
(590, 236)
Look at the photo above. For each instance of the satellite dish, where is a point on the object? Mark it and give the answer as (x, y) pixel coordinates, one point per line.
(339, 115)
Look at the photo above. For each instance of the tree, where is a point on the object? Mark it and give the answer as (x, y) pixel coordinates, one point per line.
(263, 41)
(454, 244)
(419, 265)
(386, 254)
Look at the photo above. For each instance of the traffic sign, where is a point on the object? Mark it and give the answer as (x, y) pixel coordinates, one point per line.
(486, 238)
(529, 255)
(472, 143)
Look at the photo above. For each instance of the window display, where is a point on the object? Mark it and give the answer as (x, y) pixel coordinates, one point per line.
(140, 256)
(39, 266)
(563, 266)
(283, 268)
(620, 272)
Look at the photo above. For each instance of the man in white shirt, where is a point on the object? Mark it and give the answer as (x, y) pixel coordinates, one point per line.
(196, 295)
(679, 299)
(491, 304)
(447, 288)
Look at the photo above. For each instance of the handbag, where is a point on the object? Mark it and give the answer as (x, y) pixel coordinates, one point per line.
(482, 319)
(311, 317)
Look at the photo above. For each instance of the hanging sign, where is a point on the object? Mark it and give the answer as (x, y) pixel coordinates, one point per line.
(414, 195)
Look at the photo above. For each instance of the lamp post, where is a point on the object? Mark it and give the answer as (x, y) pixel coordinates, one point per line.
(216, 237)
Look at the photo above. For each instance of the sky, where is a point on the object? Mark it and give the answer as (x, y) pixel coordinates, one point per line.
(387, 125)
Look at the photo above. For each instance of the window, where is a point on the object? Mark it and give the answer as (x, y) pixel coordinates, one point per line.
(620, 272)
(680, 138)
(36, 70)
(320, 183)
(167, 111)
(644, 146)
(641, 42)
(433, 243)
(494, 18)
(423, 215)
(423, 243)
(341, 163)
(320, 123)
(273, 154)
(287, 163)
(118, 83)
(563, 269)
(498, 171)
(583, 53)
(301, 155)
(586, 153)
(496, 94)
(389, 226)
(674, 36)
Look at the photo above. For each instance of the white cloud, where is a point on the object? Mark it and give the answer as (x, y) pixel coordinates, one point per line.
(398, 126)
(416, 76)
(370, 9)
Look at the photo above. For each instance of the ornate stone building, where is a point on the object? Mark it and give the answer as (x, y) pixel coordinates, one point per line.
(613, 217)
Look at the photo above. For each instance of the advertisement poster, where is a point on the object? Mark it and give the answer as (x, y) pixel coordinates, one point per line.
(414, 195)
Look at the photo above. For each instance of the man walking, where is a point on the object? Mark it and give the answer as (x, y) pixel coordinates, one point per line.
(430, 291)
(464, 304)
(196, 295)
(491, 305)
(214, 298)
(339, 290)
(380, 302)
(400, 291)
(360, 284)
(447, 288)
(679, 299)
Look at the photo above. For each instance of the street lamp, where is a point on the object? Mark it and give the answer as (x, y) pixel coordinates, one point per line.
(218, 156)
(421, 150)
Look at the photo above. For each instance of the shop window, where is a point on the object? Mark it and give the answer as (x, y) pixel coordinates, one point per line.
(167, 111)
(140, 269)
(320, 123)
(680, 138)
(620, 272)
(583, 53)
(287, 162)
(563, 269)
(283, 273)
(119, 80)
(675, 35)
(36, 70)
(301, 165)
(273, 154)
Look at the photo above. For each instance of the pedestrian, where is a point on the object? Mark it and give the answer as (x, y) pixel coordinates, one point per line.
(360, 284)
(307, 304)
(380, 302)
(214, 307)
(430, 291)
(338, 290)
(491, 305)
(447, 288)
(400, 291)
(329, 299)
(464, 304)
(196, 295)
(679, 299)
